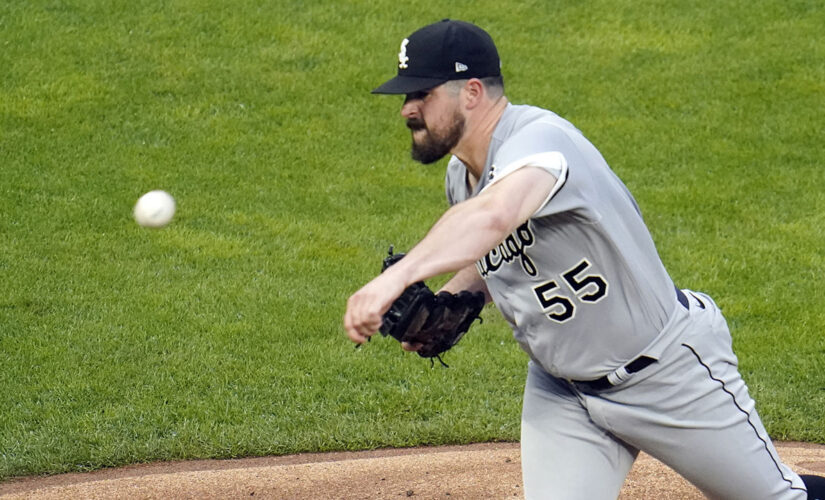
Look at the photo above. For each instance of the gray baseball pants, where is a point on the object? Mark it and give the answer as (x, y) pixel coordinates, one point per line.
(690, 410)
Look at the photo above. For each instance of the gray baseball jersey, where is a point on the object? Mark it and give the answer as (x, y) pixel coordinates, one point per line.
(584, 289)
(580, 282)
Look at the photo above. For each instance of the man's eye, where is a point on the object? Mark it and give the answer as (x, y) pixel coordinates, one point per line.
(417, 95)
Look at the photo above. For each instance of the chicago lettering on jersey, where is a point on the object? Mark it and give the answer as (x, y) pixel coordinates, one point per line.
(510, 249)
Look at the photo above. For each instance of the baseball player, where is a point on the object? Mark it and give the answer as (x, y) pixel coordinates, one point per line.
(621, 360)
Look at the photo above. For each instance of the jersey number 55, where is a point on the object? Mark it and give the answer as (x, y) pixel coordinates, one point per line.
(586, 289)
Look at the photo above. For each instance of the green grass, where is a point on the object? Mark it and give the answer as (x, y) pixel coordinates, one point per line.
(220, 335)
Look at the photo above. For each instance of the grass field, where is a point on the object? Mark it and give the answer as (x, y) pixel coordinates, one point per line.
(221, 336)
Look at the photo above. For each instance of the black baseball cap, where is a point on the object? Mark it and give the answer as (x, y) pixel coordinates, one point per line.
(442, 51)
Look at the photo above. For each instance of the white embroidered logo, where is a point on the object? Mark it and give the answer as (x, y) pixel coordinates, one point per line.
(402, 56)
(459, 67)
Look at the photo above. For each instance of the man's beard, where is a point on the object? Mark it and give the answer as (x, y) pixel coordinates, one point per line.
(434, 147)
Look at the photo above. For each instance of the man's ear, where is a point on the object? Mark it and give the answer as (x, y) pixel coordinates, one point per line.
(473, 93)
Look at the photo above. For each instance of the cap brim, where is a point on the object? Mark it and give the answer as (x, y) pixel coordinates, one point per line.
(403, 84)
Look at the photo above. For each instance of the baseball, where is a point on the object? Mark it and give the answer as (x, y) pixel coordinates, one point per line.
(154, 209)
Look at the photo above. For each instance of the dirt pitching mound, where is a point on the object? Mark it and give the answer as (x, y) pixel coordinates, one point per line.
(491, 470)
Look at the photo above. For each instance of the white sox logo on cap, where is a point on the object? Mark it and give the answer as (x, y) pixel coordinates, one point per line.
(440, 52)
(402, 56)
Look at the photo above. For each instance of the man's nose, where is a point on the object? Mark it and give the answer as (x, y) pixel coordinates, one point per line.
(410, 109)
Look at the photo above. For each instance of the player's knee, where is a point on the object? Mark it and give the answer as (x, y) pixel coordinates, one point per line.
(816, 487)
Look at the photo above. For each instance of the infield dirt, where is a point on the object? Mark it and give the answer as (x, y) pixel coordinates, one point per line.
(489, 470)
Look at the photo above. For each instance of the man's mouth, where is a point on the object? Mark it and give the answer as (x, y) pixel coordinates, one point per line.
(416, 125)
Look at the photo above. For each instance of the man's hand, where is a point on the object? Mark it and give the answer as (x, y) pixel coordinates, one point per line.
(366, 307)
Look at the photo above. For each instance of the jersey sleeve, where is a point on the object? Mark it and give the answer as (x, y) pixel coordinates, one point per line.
(542, 145)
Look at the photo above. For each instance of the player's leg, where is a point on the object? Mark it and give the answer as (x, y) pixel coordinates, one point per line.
(693, 412)
(732, 440)
(564, 455)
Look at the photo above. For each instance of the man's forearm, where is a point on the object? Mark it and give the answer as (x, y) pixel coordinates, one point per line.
(467, 279)
(468, 230)
(462, 236)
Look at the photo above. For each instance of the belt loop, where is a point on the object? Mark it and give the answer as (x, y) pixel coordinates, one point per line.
(618, 376)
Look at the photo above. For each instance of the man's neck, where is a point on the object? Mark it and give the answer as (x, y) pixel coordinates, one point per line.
(474, 145)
